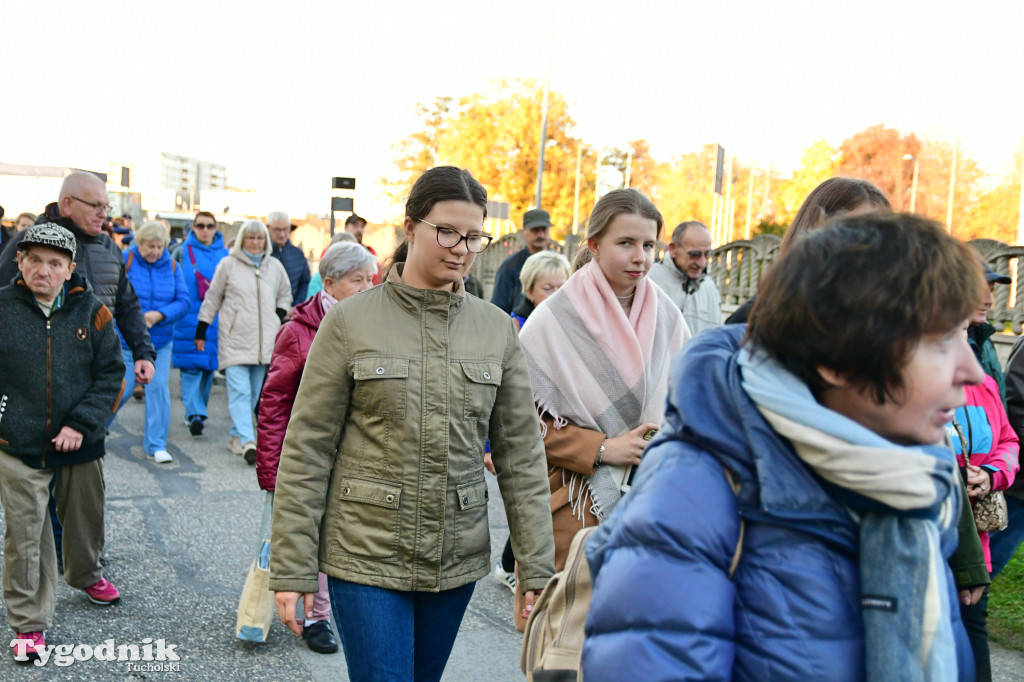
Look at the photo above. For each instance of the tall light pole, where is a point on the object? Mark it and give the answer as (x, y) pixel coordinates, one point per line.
(913, 183)
(952, 187)
(544, 115)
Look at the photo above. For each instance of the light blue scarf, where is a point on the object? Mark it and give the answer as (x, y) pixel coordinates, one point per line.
(905, 502)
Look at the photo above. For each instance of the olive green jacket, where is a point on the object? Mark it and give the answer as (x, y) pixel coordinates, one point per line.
(382, 474)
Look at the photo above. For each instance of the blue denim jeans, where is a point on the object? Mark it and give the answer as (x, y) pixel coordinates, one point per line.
(244, 385)
(158, 398)
(396, 636)
(129, 384)
(195, 391)
(1004, 544)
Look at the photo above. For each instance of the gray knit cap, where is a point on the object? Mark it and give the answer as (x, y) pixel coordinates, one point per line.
(51, 235)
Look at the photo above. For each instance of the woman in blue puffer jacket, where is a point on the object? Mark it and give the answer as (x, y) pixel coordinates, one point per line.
(198, 257)
(163, 298)
(792, 518)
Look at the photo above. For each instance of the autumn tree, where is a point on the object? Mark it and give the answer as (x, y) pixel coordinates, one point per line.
(496, 135)
(995, 213)
(819, 162)
(880, 156)
(417, 152)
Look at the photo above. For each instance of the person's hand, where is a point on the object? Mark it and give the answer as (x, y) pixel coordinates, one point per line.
(979, 482)
(627, 448)
(286, 603)
(200, 345)
(530, 598)
(489, 463)
(144, 371)
(153, 317)
(971, 595)
(67, 440)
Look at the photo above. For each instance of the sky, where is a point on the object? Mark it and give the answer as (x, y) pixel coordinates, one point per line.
(288, 94)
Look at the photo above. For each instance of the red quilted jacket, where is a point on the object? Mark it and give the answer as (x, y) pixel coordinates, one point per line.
(290, 351)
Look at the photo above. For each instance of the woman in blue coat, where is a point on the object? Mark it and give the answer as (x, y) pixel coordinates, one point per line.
(163, 298)
(792, 518)
(198, 257)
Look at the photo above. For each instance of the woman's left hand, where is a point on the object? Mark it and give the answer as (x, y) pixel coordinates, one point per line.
(530, 599)
(979, 482)
(153, 317)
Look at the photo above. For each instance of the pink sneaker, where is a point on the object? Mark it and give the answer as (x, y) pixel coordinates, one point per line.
(27, 646)
(103, 593)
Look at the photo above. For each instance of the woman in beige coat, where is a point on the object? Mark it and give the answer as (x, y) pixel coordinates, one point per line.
(252, 293)
(381, 481)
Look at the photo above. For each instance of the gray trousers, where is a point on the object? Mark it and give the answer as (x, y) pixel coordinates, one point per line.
(30, 560)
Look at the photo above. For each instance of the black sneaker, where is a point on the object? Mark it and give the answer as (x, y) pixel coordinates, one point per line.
(249, 455)
(319, 637)
(195, 425)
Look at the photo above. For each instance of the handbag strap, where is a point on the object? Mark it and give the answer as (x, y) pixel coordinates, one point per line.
(191, 257)
(963, 442)
(268, 514)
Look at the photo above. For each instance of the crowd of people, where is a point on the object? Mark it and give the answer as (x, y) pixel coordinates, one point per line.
(822, 487)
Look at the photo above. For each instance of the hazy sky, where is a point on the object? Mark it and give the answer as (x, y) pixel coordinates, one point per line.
(288, 94)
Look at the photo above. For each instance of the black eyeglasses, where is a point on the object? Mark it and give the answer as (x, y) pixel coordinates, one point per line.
(106, 208)
(204, 226)
(697, 254)
(449, 238)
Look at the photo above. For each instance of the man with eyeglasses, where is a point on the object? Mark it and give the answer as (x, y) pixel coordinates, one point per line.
(82, 208)
(536, 233)
(291, 256)
(684, 276)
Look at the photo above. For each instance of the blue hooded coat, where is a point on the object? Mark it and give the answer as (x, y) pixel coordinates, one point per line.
(207, 257)
(664, 606)
(159, 286)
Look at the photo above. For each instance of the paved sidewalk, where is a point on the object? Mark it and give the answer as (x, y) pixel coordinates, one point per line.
(180, 538)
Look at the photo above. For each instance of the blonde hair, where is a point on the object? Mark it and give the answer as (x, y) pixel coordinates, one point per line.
(610, 205)
(542, 263)
(152, 231)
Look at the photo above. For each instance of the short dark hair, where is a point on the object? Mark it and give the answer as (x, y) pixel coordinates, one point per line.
(857, 295)
(353, 219)
(834, 196)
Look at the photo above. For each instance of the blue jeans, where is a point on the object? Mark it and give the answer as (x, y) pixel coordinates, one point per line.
(195, 391)
(244, 385)
(396, 636)
(158, 398)
(1004, 544)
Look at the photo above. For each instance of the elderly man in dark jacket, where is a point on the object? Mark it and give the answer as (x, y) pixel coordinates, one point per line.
(60, 377)
(291, 256)
(81, 208)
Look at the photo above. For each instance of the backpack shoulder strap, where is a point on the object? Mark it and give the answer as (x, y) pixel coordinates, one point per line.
(735, 485)
(128, 263)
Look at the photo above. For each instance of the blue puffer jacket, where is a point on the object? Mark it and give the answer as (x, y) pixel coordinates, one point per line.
(664, 606)
(159, 287)
(185, 355)
(294, 262)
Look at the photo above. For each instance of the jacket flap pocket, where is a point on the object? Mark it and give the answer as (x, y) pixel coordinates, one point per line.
(380, 368)
(483, 372)
(387, 495)
(472, 494)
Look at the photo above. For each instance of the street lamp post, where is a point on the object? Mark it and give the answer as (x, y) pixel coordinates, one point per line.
(913, 183)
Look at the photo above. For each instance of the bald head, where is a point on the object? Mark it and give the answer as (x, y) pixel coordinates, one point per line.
(83, 198)
(690, 248)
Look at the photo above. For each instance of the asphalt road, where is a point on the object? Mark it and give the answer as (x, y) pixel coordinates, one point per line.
(179, 541)
(180, 538)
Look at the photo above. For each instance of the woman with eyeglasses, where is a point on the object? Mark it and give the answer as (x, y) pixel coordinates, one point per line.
(381, 479)
(252, 293)
(198, 257)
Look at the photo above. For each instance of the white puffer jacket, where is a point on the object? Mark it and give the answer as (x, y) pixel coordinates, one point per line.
(246, 298)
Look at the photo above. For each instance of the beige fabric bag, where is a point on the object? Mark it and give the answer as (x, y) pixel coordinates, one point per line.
(256, 609)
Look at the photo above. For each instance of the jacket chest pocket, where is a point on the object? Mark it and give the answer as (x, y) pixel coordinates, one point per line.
(368, 518)
(381, 385)
(481, 381)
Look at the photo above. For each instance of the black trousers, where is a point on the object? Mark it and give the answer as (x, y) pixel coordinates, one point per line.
(975, 618)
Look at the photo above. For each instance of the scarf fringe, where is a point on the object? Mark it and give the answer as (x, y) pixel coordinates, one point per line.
(578, 486)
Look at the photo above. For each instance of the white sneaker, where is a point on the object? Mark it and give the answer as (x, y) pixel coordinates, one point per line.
(235, 445)
(161, 457)
(506, 578)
